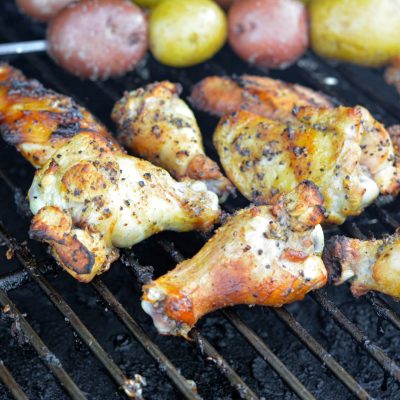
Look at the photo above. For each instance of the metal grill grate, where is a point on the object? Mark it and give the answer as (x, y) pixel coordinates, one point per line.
(347, 84)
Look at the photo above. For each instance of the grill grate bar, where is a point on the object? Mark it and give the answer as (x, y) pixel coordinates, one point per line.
(254, 340)
(373, 350)
(265, 352)
(383, 309)
(49, 358)
(244, 391)
(326, 358)
(165, 364)
(9, 381)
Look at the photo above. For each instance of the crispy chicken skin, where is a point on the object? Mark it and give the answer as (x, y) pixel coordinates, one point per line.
(268, 97)
(90, 199)
(344, 151)
(368, 265)
(266, 255)
(155, 124)
(38, 121)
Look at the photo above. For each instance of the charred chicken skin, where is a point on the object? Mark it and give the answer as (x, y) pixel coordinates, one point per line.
(368, 265)
(90, 199)
(344, 151)
(268, 97)
(38, 121)
(266, 255)
(155, 124)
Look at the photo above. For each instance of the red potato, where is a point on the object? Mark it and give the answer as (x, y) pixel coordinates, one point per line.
(98, 39)
(269, 33)
(42, 10)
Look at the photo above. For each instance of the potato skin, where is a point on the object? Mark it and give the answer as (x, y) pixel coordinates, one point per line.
(365, 32)
(97, 39)
(42, 10)
(186, 32)
(269, 33)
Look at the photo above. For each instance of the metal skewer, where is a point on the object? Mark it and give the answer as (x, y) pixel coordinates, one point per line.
(34, 46)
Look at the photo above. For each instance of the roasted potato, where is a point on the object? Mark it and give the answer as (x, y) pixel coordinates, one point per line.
(270, 33)
(365, 32)
(98, 39)
(186, 32)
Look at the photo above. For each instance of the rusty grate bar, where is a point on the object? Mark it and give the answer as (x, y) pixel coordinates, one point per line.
(10, 383)
(49, 358)
(165, 364)
(372, 349)
(326, 358)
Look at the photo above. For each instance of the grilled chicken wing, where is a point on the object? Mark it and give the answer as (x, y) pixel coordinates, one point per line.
(89, 199)
(344, 151)
(268, 97)
(155, 124)
(369, 264)
(38, 121)
(266, 255)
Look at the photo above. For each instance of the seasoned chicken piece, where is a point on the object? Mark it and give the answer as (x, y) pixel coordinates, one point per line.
(368, 265)
(38, 121)
(344, 151)
(89, 199)
(268, 97)
(266, 255)
(392, 73)
(155, 124)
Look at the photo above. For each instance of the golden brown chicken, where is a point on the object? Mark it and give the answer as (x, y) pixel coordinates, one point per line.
(268, 97)
(266, 255)
(368, 265)
(38, 121)
(344, 151)
(89, 199)
(155, 124)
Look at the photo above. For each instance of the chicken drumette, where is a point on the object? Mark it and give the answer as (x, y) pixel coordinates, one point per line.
(266, 255)
(344, 151)
(38, 121)
(367, 264)
(88, 197)
(155, 124)
(268, 97)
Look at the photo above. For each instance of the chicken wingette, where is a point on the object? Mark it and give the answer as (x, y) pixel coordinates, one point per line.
(88, 200)
(344, 151)
(155, 124)
(268, 97)
(266, 255)
(38, 121)
(88, 197)
(367, 264)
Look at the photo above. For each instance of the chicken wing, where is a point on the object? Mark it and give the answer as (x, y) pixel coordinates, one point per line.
(89, 199)
(266, 255)
(344, 151)
(155, 124)
(38, 121)
(268, 97)
(369, 264)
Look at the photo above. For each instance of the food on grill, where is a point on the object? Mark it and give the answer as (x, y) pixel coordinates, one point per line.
(155, 124)
(364, 32)
(38, 121)
(90, 198)
(42, 10)
(98, 39)
(186, 32)
(367, 264)
(269, 33)
(268, 97)
(392, 73)
(344, 151)
(266, 255)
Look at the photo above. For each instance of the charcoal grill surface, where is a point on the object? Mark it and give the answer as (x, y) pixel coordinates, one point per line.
(320, 347)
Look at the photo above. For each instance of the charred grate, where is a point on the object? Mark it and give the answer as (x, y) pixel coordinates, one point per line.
(347, 84)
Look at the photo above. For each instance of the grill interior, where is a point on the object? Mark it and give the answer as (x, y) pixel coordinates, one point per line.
(61, 339)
